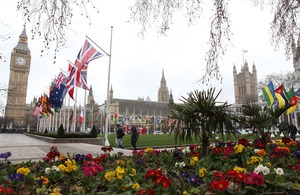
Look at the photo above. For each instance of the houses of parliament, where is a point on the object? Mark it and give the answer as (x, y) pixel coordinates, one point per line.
(19, 114)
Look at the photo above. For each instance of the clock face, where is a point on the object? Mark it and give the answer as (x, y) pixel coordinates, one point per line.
(20, 61)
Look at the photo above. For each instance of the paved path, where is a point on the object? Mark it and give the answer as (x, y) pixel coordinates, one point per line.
(25, 148)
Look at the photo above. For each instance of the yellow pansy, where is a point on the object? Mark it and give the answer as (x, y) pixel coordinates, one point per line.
(55, 192)
(202, 172)
(239, 169)
(135, 186)
(110, 175)
(23, 171)
(119, 172)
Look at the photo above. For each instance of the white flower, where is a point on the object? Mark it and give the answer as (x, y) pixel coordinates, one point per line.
(55, 168)
(266, 171)
(212, 145)
(256, 171)
(256, 150)
(279, 171)
(47, 170)
(262, 169)
(182, 164)
(259, 168)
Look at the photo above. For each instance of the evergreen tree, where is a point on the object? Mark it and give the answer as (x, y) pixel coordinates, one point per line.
(61, 131)
(94, 132)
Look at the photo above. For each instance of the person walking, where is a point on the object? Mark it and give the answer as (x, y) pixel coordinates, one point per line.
(134, 136)
(120, 135)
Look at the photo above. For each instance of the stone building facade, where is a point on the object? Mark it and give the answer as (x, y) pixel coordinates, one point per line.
(138, 112)
(245, 84)
(163, 91)
(15, 109)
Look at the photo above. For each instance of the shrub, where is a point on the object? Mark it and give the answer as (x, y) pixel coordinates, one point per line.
(61, 131)
(94, 132)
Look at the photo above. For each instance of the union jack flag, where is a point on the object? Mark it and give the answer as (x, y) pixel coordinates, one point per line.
(61, 79)
(86, 54)
(71, 79)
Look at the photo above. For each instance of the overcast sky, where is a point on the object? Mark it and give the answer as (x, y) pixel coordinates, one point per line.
(137, 63)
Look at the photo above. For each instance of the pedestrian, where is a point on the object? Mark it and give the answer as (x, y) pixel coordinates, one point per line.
(134, 136)
(120, 135)
(293, 131)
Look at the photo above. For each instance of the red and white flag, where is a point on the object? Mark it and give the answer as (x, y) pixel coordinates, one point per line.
(71, 79)
(80, 119)
(71, 117)
(86, 54)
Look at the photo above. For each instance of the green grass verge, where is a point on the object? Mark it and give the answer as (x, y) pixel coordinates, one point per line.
(164, 140)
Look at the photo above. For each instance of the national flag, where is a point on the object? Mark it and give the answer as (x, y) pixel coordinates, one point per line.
(89, 116)
(71, 80)
(152, 119)
(80, 119)
(292, 99)
(99, 116)
(158, 120)
(43, 105)
(123, 118)
(115, 117)
(58, 92)
(86, 54)
(297, 94)
(131, 118)
(61, 79)
(37, 110)
(281, 96)
(71, 117)
(269, 93)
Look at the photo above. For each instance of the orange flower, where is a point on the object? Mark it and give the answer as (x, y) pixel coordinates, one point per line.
(261, 152)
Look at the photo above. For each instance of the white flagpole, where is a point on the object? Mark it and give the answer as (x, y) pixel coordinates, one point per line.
(64, 113)
(75, 110)
(84, 111)
(107, 97)
(92, 117)
(68, 118)
(108, 84)
(56, 121)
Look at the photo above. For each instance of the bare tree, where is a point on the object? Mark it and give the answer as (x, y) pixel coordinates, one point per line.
(3, 37)
(287, 79)
(51, 18)
(285, 25)
(3, 93)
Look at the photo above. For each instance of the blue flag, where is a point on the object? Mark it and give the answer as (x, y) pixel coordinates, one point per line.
(57, 96)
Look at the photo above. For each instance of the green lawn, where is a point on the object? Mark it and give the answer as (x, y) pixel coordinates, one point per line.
(164, 140)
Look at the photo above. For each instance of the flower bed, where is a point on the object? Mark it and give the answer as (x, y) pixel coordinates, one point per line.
(228, 168)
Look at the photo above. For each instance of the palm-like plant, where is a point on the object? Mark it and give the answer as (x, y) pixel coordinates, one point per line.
(260, 120)
(200, 115)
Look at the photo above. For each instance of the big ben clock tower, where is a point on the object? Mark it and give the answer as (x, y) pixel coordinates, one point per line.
(18, 80)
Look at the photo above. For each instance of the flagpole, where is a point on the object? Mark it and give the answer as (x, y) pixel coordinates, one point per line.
(107, 97)
(92, 117)
(75, 110)
(68, 118)
(84, 111)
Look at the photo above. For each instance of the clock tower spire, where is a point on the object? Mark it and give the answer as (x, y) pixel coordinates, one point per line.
(18, 81)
